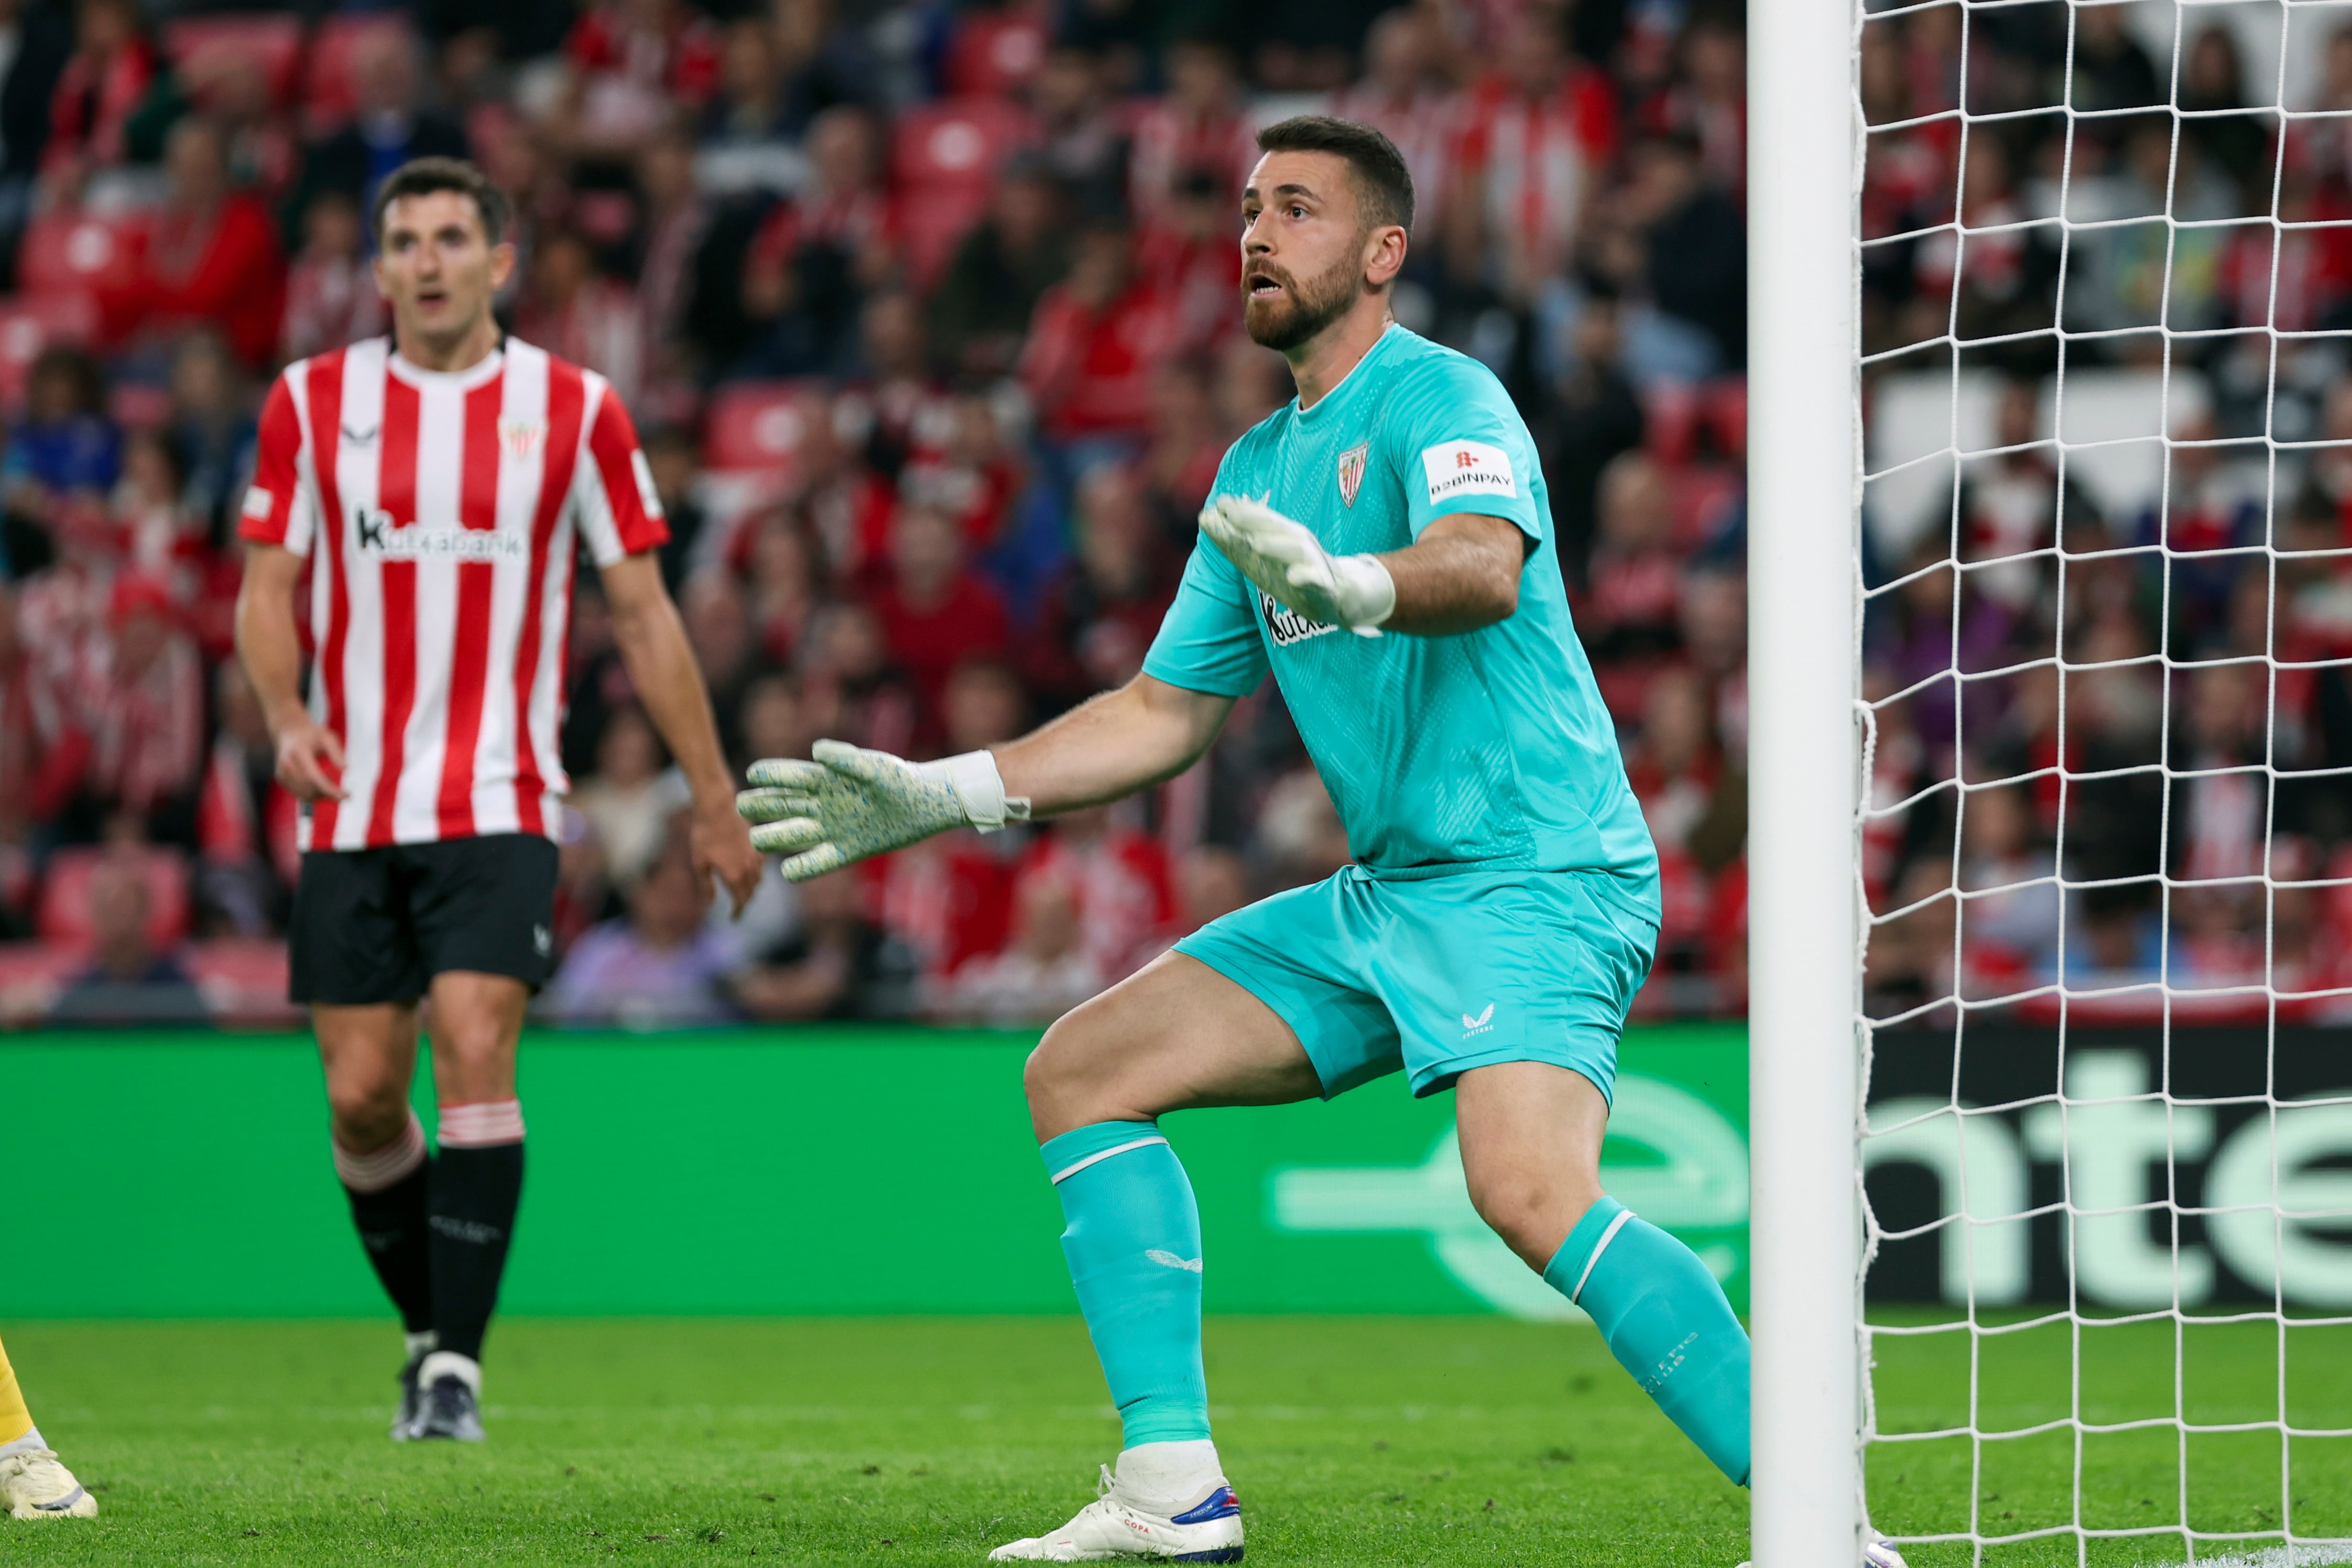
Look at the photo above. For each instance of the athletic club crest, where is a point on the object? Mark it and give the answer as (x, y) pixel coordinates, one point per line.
(1351, 470)
(521, 437)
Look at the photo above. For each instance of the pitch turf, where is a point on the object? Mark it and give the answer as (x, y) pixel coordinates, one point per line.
(920, 1441)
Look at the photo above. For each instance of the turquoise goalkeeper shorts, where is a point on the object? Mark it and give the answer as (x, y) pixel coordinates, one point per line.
(1441, 974)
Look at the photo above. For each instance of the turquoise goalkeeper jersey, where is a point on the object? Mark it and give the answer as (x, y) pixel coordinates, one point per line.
(1487, 750)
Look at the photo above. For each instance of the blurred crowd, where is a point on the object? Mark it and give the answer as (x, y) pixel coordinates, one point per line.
(927, 313)
(2188, 787)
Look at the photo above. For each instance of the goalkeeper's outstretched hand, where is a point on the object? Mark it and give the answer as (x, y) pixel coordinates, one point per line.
(1290, 563)
(851, 803)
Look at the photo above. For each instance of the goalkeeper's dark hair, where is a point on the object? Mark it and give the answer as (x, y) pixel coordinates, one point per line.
(1383, 184)
(423, 176)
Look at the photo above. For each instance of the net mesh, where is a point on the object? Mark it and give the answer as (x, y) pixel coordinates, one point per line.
(2105, 829)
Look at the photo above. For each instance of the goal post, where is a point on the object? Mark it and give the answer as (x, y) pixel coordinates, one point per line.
(1803, 641)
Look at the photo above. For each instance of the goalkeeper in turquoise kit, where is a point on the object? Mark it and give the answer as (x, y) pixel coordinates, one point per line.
(1383, 546)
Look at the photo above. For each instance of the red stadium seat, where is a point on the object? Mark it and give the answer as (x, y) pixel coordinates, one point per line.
(944, 159)
(197, 44)
(995, 52)
(33, 323)
(1670, 415)
(955, 144)
(68, 251)
(64, 912)
(1727, 415)
(331, 87)
(754, 427)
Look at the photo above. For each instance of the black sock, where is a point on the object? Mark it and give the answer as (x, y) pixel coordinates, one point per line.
(474, 1191)
(391, 1227)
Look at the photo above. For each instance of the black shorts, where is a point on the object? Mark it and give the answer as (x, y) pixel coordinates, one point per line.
(377, 925)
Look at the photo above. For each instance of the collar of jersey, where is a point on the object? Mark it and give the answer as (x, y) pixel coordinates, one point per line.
(1347, 380)
(465, 380)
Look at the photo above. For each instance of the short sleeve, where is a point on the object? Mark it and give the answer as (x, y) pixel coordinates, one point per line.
(277, 510)
(1465, 448)
(1210, 641)
(620, 514)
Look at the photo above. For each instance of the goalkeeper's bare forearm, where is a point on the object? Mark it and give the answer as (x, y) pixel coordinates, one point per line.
(1111, 746)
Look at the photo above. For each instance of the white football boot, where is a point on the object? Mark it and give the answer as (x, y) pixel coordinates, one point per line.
(1876, 1555)
(33, 1484)
(1116, 1525)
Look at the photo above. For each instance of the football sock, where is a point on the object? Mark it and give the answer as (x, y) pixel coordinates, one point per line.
(1133, 1240)
(1666, 1321)
(17, 1432)
(1169, 1478)
(387, 1190)
(476, 1186)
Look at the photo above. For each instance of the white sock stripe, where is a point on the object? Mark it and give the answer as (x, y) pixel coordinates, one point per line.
(1068, 1171)
(481, 1126)
(1598, 1249)
(373, 1173)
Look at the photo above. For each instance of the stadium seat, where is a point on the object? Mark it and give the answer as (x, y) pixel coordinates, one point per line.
(1699, 494)
(995, 52)
(194, 43)
(944, 158)
(30, 324)
(70, 251)
(754, 425)
(64, 912)
(751, 437)
(330, 83)
(1670, 420)
(1727, 415)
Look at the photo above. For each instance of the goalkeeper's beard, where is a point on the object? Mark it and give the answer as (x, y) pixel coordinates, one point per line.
(1285, 320)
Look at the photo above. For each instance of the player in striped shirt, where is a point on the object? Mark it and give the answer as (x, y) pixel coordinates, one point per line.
(438, 484)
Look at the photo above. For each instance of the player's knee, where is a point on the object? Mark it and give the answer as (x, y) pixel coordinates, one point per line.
(368, 1109)
(1532, 1213)
(1063, 1077)
(1050, 1073)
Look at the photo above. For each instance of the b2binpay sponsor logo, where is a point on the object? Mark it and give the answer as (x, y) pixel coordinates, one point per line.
(379, 534)
(1287, 626)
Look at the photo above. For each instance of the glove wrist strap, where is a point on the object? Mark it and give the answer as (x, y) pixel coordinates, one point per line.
(981, 787)
(1367, 589)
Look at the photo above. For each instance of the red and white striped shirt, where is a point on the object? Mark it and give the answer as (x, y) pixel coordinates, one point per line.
(447, 505)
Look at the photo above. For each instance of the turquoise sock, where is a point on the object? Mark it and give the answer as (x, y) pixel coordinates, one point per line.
(1666, 1322)
(1134, 1245)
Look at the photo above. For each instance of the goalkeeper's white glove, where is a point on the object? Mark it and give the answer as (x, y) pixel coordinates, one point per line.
(1290, 563)
(851, 803)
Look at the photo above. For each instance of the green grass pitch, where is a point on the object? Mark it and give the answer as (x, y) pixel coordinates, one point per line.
(926, 1441)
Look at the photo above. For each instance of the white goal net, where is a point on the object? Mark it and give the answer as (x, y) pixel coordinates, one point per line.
(2104, 822)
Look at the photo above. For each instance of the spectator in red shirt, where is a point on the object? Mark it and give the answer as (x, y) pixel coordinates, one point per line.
(1187, 256)
(635, 64)
(212, 257)
(935, 612)
(136, 726)
(1200, 125)
(577, 312)
(1538, 134)
(1098, 621)
(331, 299)
(1095, 340)
(112, 94)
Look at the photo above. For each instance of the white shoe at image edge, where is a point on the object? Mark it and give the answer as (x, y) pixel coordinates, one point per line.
(34, 1486)
(1877, 1554)
(1113, 1526)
